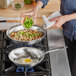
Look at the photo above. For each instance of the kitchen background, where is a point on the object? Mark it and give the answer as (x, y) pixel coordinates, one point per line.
(52, 6)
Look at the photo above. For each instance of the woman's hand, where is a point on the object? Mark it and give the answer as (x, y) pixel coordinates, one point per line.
(32, 13)
(59, 20)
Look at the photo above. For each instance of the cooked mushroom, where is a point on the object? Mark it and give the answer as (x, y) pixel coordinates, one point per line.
(26, 35)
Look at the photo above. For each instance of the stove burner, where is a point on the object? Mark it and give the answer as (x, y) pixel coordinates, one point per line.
(20, 69)
(29, 69)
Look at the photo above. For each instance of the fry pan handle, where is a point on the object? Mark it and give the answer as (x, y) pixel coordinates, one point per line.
(53, 50)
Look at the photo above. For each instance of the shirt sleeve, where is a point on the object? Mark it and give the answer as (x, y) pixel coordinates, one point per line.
(44, 2)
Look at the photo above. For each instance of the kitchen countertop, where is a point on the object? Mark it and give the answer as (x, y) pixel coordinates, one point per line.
(59, 59)
(53, 5)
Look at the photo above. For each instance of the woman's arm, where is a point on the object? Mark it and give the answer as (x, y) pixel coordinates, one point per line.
(71, 16)
(39, 4)
(62, 19)
(37, 7)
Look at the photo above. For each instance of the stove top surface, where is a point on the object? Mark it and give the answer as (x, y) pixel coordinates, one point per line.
(7, 68)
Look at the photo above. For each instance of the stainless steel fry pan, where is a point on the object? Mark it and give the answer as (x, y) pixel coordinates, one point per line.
(20, 27)
(25, 52)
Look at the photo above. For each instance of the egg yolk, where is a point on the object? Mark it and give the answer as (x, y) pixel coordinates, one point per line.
(27, 60)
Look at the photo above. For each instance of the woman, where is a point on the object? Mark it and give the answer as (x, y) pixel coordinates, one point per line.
(67, 21)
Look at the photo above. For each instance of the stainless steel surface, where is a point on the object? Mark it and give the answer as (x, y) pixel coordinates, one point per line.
(55, 38)
(25, 52)
(20, 27)
(14, 54)
(59, 59)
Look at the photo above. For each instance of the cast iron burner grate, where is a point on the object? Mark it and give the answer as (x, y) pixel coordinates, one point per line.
(7, 68)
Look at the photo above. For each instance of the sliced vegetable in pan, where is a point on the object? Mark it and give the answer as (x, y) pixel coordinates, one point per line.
(28, 23)
(26, 35)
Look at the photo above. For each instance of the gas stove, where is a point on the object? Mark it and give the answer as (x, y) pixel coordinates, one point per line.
(7, 68)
